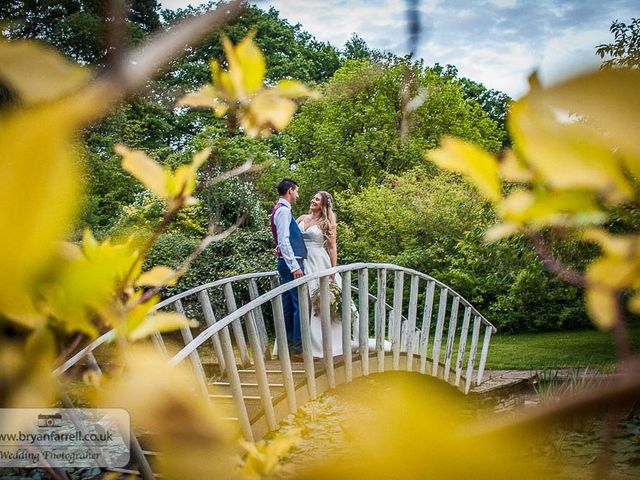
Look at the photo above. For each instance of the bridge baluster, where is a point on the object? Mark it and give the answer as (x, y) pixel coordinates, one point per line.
(380, 318)
(325, 324)
(238, 334)
(363, 308)
(398, 286)
(93, 364)
(305, 330)
(158, 343)
(426, 325)
(234, 383)
(485, 350)
(437, 341)
(411, 320)
(194, 357)
(472, 353)
(463, 344)
(453, 323)
(347, 327)
(283, 347)
(210, 319)
(254, 293)
(261, 371)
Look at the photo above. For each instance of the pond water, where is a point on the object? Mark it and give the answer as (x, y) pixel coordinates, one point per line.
(409, 418)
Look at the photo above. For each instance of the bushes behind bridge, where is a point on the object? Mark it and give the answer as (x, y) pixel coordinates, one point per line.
(434, 223)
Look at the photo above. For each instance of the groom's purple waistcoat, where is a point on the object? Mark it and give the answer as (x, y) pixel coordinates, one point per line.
(295, 235)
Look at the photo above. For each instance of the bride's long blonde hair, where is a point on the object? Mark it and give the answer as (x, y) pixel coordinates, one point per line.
(327, 216)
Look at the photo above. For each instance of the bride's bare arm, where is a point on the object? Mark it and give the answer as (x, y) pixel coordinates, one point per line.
(302, 218)
(332, 248)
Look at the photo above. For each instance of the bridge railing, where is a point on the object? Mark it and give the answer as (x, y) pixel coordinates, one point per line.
(250, 311)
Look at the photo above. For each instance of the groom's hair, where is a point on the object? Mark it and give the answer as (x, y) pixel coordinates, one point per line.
(284, 186)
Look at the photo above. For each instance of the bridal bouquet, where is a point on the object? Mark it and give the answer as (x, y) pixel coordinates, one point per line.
(335, 301)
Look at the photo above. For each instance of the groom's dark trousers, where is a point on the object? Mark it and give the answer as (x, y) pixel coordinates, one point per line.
(290, 308)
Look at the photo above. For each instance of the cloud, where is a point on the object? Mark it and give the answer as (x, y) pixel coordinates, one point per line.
(495, 42)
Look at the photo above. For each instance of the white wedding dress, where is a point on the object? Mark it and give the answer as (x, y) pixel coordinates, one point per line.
(316, 261)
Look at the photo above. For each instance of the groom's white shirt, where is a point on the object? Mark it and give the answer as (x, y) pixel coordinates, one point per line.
(282, 221)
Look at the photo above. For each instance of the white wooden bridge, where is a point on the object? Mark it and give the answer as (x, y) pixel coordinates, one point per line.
(431, 328)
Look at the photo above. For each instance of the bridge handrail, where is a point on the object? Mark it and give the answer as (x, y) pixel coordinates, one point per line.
(271, 294)
(109, 335)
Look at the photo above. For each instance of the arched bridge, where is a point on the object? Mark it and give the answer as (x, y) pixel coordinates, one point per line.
(415, 323)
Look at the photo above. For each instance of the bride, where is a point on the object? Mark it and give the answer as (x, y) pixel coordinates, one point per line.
(318, 229)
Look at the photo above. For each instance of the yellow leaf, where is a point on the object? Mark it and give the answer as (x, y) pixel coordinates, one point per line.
(232, 78)
(512, 170)
(615, 245)
(575, 208)
(157, 277)
(267, 111)
(206, 96)
(38, 73)
(295, 89)
(610, 99)
(251, 63)
(473, 162)
(160, 322)
(567, 155)
(634, 303)
(601, 305)
(85, 285)
(39, 192)
(614, 272)
(182, 183)
(500, 231)
(146, 170)
(186, 428)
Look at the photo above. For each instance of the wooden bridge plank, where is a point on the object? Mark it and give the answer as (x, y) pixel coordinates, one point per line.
(463, 344)
(210, 319)
(398, 286)
(426, 325)
(238, 333)
(453, 323)
(437, 341)
(347, 327)
(411, 320)
(472, 352)
(363, 307)
(325, 324)
(194, 357)
(307, 351)
(283, 348)
(380, 316)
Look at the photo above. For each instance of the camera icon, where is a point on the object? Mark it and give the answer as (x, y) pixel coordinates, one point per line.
(49, 420)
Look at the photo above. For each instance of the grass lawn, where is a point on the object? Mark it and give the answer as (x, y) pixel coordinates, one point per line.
(594, 349)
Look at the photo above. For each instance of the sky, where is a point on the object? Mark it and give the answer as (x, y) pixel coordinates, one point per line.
(498, 43)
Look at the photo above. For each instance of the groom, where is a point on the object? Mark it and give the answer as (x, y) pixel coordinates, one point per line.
(291, 252)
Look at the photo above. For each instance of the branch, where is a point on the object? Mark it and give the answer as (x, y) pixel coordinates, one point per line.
(554, 265)
(206, 241)
(130, 72)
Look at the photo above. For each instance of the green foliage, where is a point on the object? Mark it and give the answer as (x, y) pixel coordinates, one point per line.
(245, 251)
(350, 136)
(290, 51)
(434, 223)
(76, 27)
(624, 51)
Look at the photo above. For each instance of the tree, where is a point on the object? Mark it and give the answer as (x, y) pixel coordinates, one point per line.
(76, 27)
(434, 223)
(349, 137)
(624, 51)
